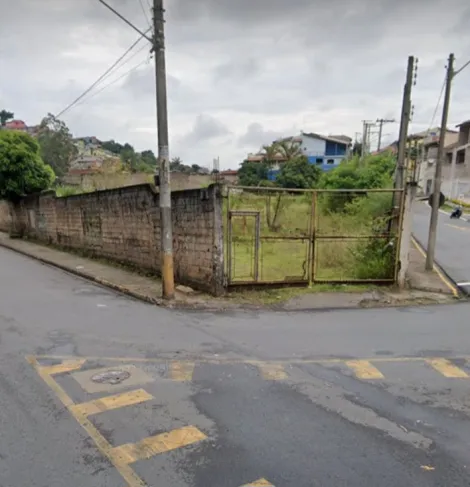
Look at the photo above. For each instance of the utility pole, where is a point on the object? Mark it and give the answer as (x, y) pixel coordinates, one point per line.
(381, 123)
(164, 198)
(158, 47)
(404, 122)
(365, 148)
(438, 175)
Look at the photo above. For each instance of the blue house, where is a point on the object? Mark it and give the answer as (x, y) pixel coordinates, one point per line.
(326, 152)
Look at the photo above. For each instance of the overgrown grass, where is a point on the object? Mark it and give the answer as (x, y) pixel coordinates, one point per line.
(63, 191)
(351, 231)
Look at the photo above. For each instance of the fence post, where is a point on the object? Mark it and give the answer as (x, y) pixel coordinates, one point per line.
(405, 237)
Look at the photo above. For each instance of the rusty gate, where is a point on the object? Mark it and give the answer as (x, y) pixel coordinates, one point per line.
(284, 236)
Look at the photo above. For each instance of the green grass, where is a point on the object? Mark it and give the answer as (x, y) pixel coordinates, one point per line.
(285, 228)
(63, 191)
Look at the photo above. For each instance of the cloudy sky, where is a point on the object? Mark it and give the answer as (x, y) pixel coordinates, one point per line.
(240, 72)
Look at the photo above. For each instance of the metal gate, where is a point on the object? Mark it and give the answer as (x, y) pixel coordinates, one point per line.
(279, 236)
(243, 246)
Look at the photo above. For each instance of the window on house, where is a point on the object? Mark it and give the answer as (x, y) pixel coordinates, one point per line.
(319, 160)
(330, 161)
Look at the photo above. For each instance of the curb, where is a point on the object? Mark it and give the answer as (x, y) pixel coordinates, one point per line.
(448, 214)
(89, 277)
(445, 277)
(192, 306)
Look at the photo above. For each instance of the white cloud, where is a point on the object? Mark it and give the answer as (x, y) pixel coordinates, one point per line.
(239, 73)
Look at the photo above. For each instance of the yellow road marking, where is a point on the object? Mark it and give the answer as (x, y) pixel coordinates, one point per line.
(259, 483)
(128, 474)
(447, 369)
(272, 371)
(457, 227)
(364, 369)
(112, 402)
(182, 371)
(154, 445)
(436, 269)
(65, 366)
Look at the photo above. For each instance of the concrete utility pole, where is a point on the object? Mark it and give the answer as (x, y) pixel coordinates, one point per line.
(365, 148)
(438, 174)
(404, 122)
(381, 123)
(166, 247)
(158, 47)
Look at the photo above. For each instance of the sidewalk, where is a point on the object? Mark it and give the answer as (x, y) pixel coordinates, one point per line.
(431, 288)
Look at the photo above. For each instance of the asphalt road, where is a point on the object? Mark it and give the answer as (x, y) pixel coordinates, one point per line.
(346, 398)
(452, 243)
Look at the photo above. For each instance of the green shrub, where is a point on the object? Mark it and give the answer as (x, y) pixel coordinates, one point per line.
(22, 171)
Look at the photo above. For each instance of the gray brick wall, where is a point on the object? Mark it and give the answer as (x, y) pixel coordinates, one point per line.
(124, 225)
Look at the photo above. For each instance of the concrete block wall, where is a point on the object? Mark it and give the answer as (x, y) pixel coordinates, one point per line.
(124, 225)
(4, 216)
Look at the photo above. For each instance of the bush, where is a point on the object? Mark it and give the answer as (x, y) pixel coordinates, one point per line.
(298, 173)
(374, 259)
(252, 173)
(370, 173)
(22, 171)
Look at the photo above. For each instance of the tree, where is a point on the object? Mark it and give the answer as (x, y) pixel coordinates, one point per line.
(288, 149)
(5, 115)
(22, 171)
(56, 144)
(112, 146)
(148, 157)
(374, 171)
(298, 173)
(252, 173)
(176, 163)
(270, 153)
(357, 149)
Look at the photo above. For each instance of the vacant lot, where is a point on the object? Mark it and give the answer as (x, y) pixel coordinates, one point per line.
(328, 236)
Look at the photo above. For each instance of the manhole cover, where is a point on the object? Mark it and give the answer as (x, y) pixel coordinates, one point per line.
(111, 377)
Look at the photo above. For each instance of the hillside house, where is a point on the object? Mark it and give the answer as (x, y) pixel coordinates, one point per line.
(326, 152)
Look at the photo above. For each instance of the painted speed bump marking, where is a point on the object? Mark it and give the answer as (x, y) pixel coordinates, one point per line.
(364, 369)
(181, 371)
(259, 483)
(127, 473)
(272, 371)
(154, 445)
(65, 366)
(447, 368)
(112, 402)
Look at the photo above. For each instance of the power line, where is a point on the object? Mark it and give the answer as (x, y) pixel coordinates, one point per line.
(126, 61)
(114, 81)
(129, 23)
(103, 76)
(144, 12)
(437, 106)
(462, 68)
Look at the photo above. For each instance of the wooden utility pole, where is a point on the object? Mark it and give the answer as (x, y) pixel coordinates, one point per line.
(404, 121)
(166, 244)
(438, 174)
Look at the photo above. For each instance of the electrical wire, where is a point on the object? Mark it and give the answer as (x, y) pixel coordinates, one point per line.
(126, 61)
(437, 106)
(147, 18)
(103, 76)
(145, 61)
(462, 68)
